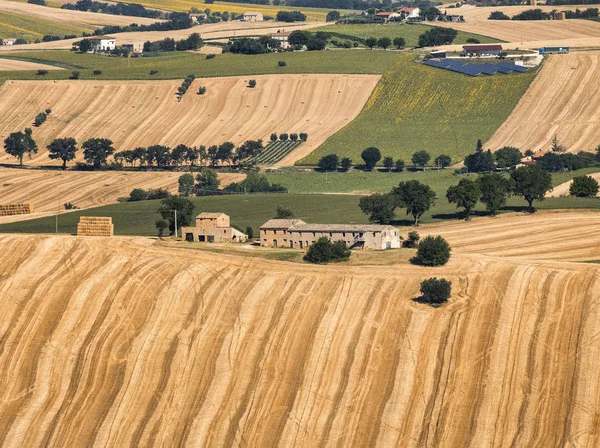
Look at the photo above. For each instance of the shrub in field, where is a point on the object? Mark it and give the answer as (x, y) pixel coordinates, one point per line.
(284, 213)
(42, 72)
(412, 240)
(346, 163)
(328, 163)
(283, 137)
(324, 251)
(435, 291)
(202, 90)
(97, 72)
(74, 75)
(584, 187)
(273, 137)
(161, 226)
(432, 251)
(40, 119)
(281, 63)
(303, 136)
(252, 83)
(211, 56)
(153, 72)
(70, 206)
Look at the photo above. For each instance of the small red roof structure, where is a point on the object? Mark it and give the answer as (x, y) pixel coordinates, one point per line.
(538, 155)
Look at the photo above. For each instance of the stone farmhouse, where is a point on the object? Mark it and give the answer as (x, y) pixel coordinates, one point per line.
(297, 234)
(213, 228)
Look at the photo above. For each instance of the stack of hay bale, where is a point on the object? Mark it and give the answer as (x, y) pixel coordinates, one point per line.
(16, 209)
(95, 226)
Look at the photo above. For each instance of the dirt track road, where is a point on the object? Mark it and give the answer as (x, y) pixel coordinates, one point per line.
(143, 113)
(122, 342)
(49, 190)
(563, 100)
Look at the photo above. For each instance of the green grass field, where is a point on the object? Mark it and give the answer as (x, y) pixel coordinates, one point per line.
(415, 107)
(32, 28)
(179, 64)
(137, 218)
(410, 33)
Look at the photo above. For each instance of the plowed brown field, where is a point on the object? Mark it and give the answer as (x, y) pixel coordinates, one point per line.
(563, 100)
(124, 342)
(138, 113)
(49, 190)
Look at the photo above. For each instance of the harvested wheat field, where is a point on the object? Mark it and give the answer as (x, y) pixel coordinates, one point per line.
(563, 189)
(124, 342)
(13, 64)
(563, 100)
(79, 18)
(49, 190)
(142, 113)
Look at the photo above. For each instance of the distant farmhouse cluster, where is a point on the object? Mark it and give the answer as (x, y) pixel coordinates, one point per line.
(293, 233)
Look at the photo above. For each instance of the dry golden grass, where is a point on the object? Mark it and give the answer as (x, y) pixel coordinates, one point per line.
(563, 100)
(123, 342)
(12, 64)
(142, 113)
(49, 190)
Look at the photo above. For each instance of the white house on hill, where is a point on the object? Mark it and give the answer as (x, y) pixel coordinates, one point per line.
(103, 43)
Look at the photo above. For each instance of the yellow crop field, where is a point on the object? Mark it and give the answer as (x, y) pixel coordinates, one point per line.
(131, 342)
(31, 28)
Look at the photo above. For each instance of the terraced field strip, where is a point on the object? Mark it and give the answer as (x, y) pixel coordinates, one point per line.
(126, 342)
(142, 113)
(275, 151)
(563, 100)
(49, 190)
(13, 64)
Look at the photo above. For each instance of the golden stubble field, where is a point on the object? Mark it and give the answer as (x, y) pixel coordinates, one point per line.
(563, 100)
(127, 342)
(49, 190)
(143, 113)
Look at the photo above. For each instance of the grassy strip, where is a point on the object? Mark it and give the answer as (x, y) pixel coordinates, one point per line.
(415, 107)
(410, 33)
(179, 64)
(138, 218)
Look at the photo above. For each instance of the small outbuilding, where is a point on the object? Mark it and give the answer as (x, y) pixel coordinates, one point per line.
(253, 17)
(135, 47)
(213, 228)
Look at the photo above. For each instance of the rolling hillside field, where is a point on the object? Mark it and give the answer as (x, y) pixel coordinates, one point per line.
(147, 113)
(132, 342)
(410, 33)
(562, 101)
(17, 26)
(415, 108)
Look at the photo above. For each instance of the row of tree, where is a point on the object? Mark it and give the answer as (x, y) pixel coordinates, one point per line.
(372, 155)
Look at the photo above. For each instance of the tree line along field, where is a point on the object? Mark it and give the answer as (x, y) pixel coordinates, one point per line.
(415, 108)
(125, 342)
(177, 65)
(143, 113)
(410, 33)
(32, 28)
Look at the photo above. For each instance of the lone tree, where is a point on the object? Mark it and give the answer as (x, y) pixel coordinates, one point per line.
(432, 251)
(379, 207)
(207, 182)
(415, 196)
(184, 208)
(161, 225)
(584, 187)
(531, 182)
(384, 42)
(19, 143)
(556, 147)
(435, 291)
(495, 189)
(328, 163)
(443, 161)
(464, 195)
(508, 157)
(97, 150)
(370, 42)
(421, 158)
(64, 149)
(284, 213)
(85, 45)
(412, 240)
(371, 156)
(186, 185)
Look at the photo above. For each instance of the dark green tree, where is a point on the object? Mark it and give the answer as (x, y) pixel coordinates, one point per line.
(412, 240)
(443, 161)
(400, 165)
(63, 149)
(495, 189)
(415, 196)
(332, 16)
(162, 155)
(384, 42)
(531, 182)
(435, 291)
(250, 232)
(371, 156)
(508, 157)
(207, 182)
(480, 162)
(320, 251)
(179, 154)
(184, 208)
(421, 158)
(339, 251)
(225, 151)
(370, 42)
(584, 187)
(346, 163)
(432, 251)
(161, 226)
(328, 163)
(388, 163)
(186, 185)
(284, 213)
(18, 144)
(97, 150)
(85, 45)
(464, 195)
(379, 207)
(399, 42)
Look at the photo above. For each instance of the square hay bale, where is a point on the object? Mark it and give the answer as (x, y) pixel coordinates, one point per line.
(16, 209)
(95, 226)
